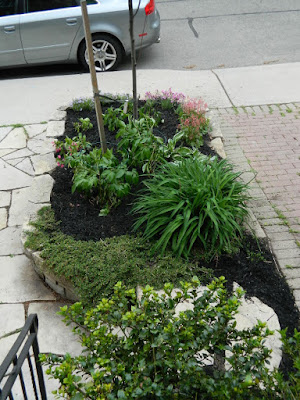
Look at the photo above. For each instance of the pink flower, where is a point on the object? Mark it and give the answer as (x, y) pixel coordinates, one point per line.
(59, 156)
(58, 164)
(62, 165)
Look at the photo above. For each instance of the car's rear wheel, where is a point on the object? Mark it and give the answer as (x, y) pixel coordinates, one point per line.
(107, 53)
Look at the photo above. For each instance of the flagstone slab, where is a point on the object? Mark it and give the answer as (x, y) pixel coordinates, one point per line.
(55, 129)
(253, 310)
(40, 146)
(3, 218)
(12, 317)
(54, 336)
(18, 154)
(25, 203)
(4, 132)
(5, 198)
(19, 204)
(41, 188)
(26, 166)
(44, 163)
(3, 152)
(12, 178)
(15, 162)
(10, 239)
(19, 282)
(59, 114)
(35, 129)
(42, 136)
(16, 139)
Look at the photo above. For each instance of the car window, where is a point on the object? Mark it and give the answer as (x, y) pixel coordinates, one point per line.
(8, 7)
(45, 5)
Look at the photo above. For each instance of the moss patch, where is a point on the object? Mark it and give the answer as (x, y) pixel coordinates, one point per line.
(95, 267)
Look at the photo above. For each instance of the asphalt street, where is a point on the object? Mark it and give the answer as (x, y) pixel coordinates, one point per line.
(205, 34)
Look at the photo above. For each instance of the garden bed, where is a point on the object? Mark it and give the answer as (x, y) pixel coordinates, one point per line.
(252, 267)
(85, 239)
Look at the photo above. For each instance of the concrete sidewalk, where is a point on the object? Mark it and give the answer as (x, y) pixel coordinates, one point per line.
(262, 141)
(33, 100)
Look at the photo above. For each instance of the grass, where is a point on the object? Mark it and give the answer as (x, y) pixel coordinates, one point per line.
(91, 266)
(281, 216)
(12, 126)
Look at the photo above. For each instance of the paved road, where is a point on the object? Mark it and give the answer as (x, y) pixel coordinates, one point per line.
(205, 34)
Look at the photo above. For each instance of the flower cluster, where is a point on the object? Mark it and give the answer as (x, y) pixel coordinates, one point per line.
(65, 149)
(83, 104)
(193, 122)
(166, 97)
(58, 156)
(192, 106)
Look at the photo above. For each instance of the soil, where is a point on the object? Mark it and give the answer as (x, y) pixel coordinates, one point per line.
(253, 267)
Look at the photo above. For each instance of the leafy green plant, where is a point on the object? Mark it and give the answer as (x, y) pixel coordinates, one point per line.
(83, 104)
(291, 346)
(146, 349)
(113, 116)
(138, 145)
(149, 110)
(64, 149)
(83, 125)
(192, 203)
(102, 176)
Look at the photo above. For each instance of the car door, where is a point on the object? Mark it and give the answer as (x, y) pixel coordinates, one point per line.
(48, 29)
(11, 51)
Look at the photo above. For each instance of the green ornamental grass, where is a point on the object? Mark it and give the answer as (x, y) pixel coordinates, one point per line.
(193, 202)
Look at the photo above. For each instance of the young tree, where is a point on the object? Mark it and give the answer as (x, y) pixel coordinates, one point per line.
(133, 59)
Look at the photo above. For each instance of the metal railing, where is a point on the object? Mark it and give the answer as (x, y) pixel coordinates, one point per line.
(13, 367)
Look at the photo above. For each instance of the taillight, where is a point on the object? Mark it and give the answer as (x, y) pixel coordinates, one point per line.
(150, 7)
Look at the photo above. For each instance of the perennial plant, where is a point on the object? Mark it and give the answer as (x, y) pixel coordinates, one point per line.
(193, 203)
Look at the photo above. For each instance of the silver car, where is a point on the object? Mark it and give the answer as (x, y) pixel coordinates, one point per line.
(51, 31)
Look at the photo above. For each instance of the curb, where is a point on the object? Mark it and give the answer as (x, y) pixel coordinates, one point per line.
(55, 128)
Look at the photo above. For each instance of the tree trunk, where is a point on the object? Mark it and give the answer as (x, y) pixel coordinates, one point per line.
(133, 60)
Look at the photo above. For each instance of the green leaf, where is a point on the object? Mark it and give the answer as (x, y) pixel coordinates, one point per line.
(121, 394)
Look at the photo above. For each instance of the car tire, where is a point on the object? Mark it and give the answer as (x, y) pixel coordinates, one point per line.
(108, 53)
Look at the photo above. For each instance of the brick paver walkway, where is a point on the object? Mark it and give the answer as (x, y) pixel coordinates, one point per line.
(265, 143)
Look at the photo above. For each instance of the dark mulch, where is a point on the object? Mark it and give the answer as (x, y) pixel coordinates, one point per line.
(253, 267)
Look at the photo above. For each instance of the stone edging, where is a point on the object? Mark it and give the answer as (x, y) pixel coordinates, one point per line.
(55, 129)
